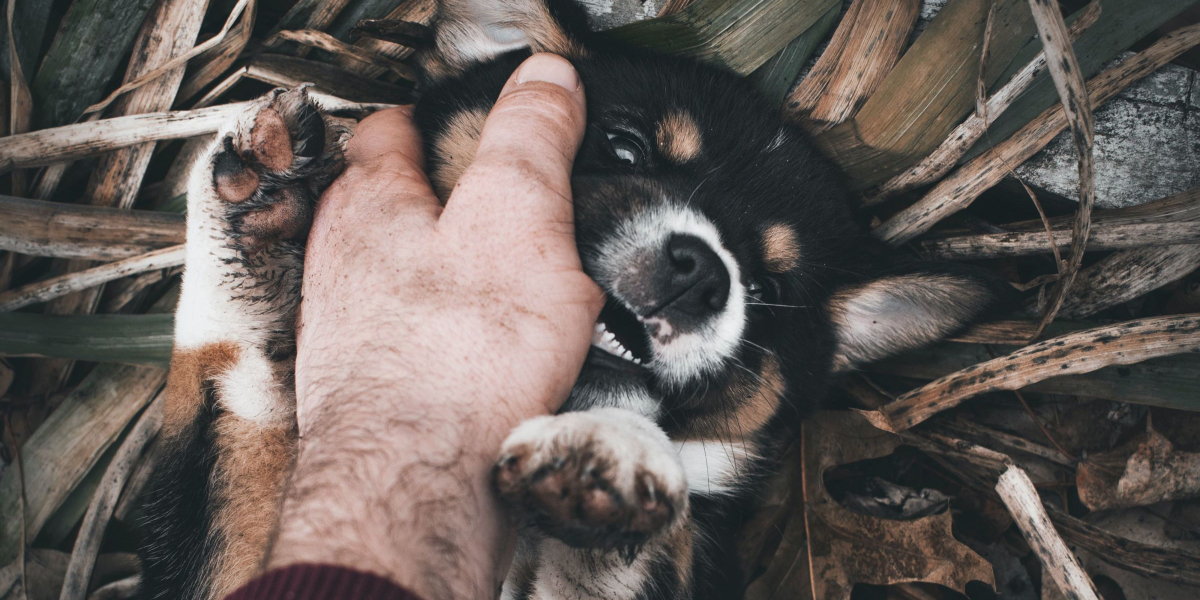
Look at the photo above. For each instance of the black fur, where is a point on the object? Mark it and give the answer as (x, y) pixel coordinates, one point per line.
(179, 508)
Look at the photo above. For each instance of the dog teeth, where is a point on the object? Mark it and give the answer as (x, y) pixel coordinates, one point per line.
(607, 341)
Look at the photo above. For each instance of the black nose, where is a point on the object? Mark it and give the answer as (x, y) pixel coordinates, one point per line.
(698, 282)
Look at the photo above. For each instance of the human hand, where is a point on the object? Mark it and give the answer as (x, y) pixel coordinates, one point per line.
(426, 334)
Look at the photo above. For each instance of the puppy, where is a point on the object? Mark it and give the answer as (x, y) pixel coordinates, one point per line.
(738, 285)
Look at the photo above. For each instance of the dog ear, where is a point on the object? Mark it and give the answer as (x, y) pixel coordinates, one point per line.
(911, 307)
(467, 32)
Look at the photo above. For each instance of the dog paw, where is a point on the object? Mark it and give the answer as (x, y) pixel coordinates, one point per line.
(250, 204)
(603, 478)
(271, 166)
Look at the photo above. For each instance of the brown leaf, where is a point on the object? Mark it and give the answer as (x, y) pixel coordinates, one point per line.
(827, 549)
(1155, 472)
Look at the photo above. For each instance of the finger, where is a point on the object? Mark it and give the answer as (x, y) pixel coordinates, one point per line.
(387, 135)
(522, 169)
(384, 179)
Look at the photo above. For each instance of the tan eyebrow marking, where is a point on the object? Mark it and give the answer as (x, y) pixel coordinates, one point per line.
(781, 249)
(678, 137)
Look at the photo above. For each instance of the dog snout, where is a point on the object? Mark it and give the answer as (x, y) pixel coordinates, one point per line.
(697, 281)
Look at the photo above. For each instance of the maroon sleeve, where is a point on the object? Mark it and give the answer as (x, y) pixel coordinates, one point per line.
(320, 582)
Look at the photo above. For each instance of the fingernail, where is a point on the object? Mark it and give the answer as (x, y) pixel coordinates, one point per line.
(550, 69)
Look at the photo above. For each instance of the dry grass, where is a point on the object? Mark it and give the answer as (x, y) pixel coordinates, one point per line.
(1052, 404)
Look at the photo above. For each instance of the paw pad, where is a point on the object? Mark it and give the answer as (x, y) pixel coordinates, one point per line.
(272, 167)
(579, 495)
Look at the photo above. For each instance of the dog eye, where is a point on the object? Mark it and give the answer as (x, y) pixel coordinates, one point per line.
(766, 290)
(754, 289)
(625, 148)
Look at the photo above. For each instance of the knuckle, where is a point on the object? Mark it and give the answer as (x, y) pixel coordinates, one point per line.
(518, 174)
(387, 173)
(549, 104)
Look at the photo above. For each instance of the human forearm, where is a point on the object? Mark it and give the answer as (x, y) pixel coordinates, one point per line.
(427, 332)
(403, 494)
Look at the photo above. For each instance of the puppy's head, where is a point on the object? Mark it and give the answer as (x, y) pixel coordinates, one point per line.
(736, 278)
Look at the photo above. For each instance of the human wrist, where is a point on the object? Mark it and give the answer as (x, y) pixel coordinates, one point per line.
(404, 495)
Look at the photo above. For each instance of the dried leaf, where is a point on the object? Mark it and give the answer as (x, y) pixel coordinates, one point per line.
(862, 52)
(887, 500)
(739, 35)
(62, 451)
(959, 141)
(1184, 206)
(87, 543)
(362, 56)
(21, 103)
(127, 339)
(1169, 381)
(960, 189)
(29, 29)
(310, 14)
(43, 228)
(289, 71)
(75, 281)
(92, 43)
(1121, 24)
(928, 92)
(1079, 352)
(73, 142)
(180, 60)
(776, 77)
(1123, 276)
(827, 549)
(45, 569)
(1077, 108)
(1143, 527)
(220, 57)
(413, 11)
(1154, 472)
(1115, 237)
(1177, 563)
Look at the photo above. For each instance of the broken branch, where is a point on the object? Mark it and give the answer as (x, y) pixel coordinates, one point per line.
(1079, 352)
(62, 285)
(1023, 501)
(1117, 237)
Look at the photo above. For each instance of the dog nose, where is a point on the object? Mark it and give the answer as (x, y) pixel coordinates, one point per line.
(698, 282)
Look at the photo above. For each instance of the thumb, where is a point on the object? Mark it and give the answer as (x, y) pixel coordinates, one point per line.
(526, 148)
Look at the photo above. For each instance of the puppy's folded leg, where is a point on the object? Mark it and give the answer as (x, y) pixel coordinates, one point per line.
(603, 497)
(229, 427)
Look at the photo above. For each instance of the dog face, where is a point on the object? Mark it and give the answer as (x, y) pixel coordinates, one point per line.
(737, 280)
(707, 220)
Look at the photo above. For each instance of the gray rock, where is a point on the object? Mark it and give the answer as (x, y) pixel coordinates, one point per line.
(611, 13)
(1147, 145)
